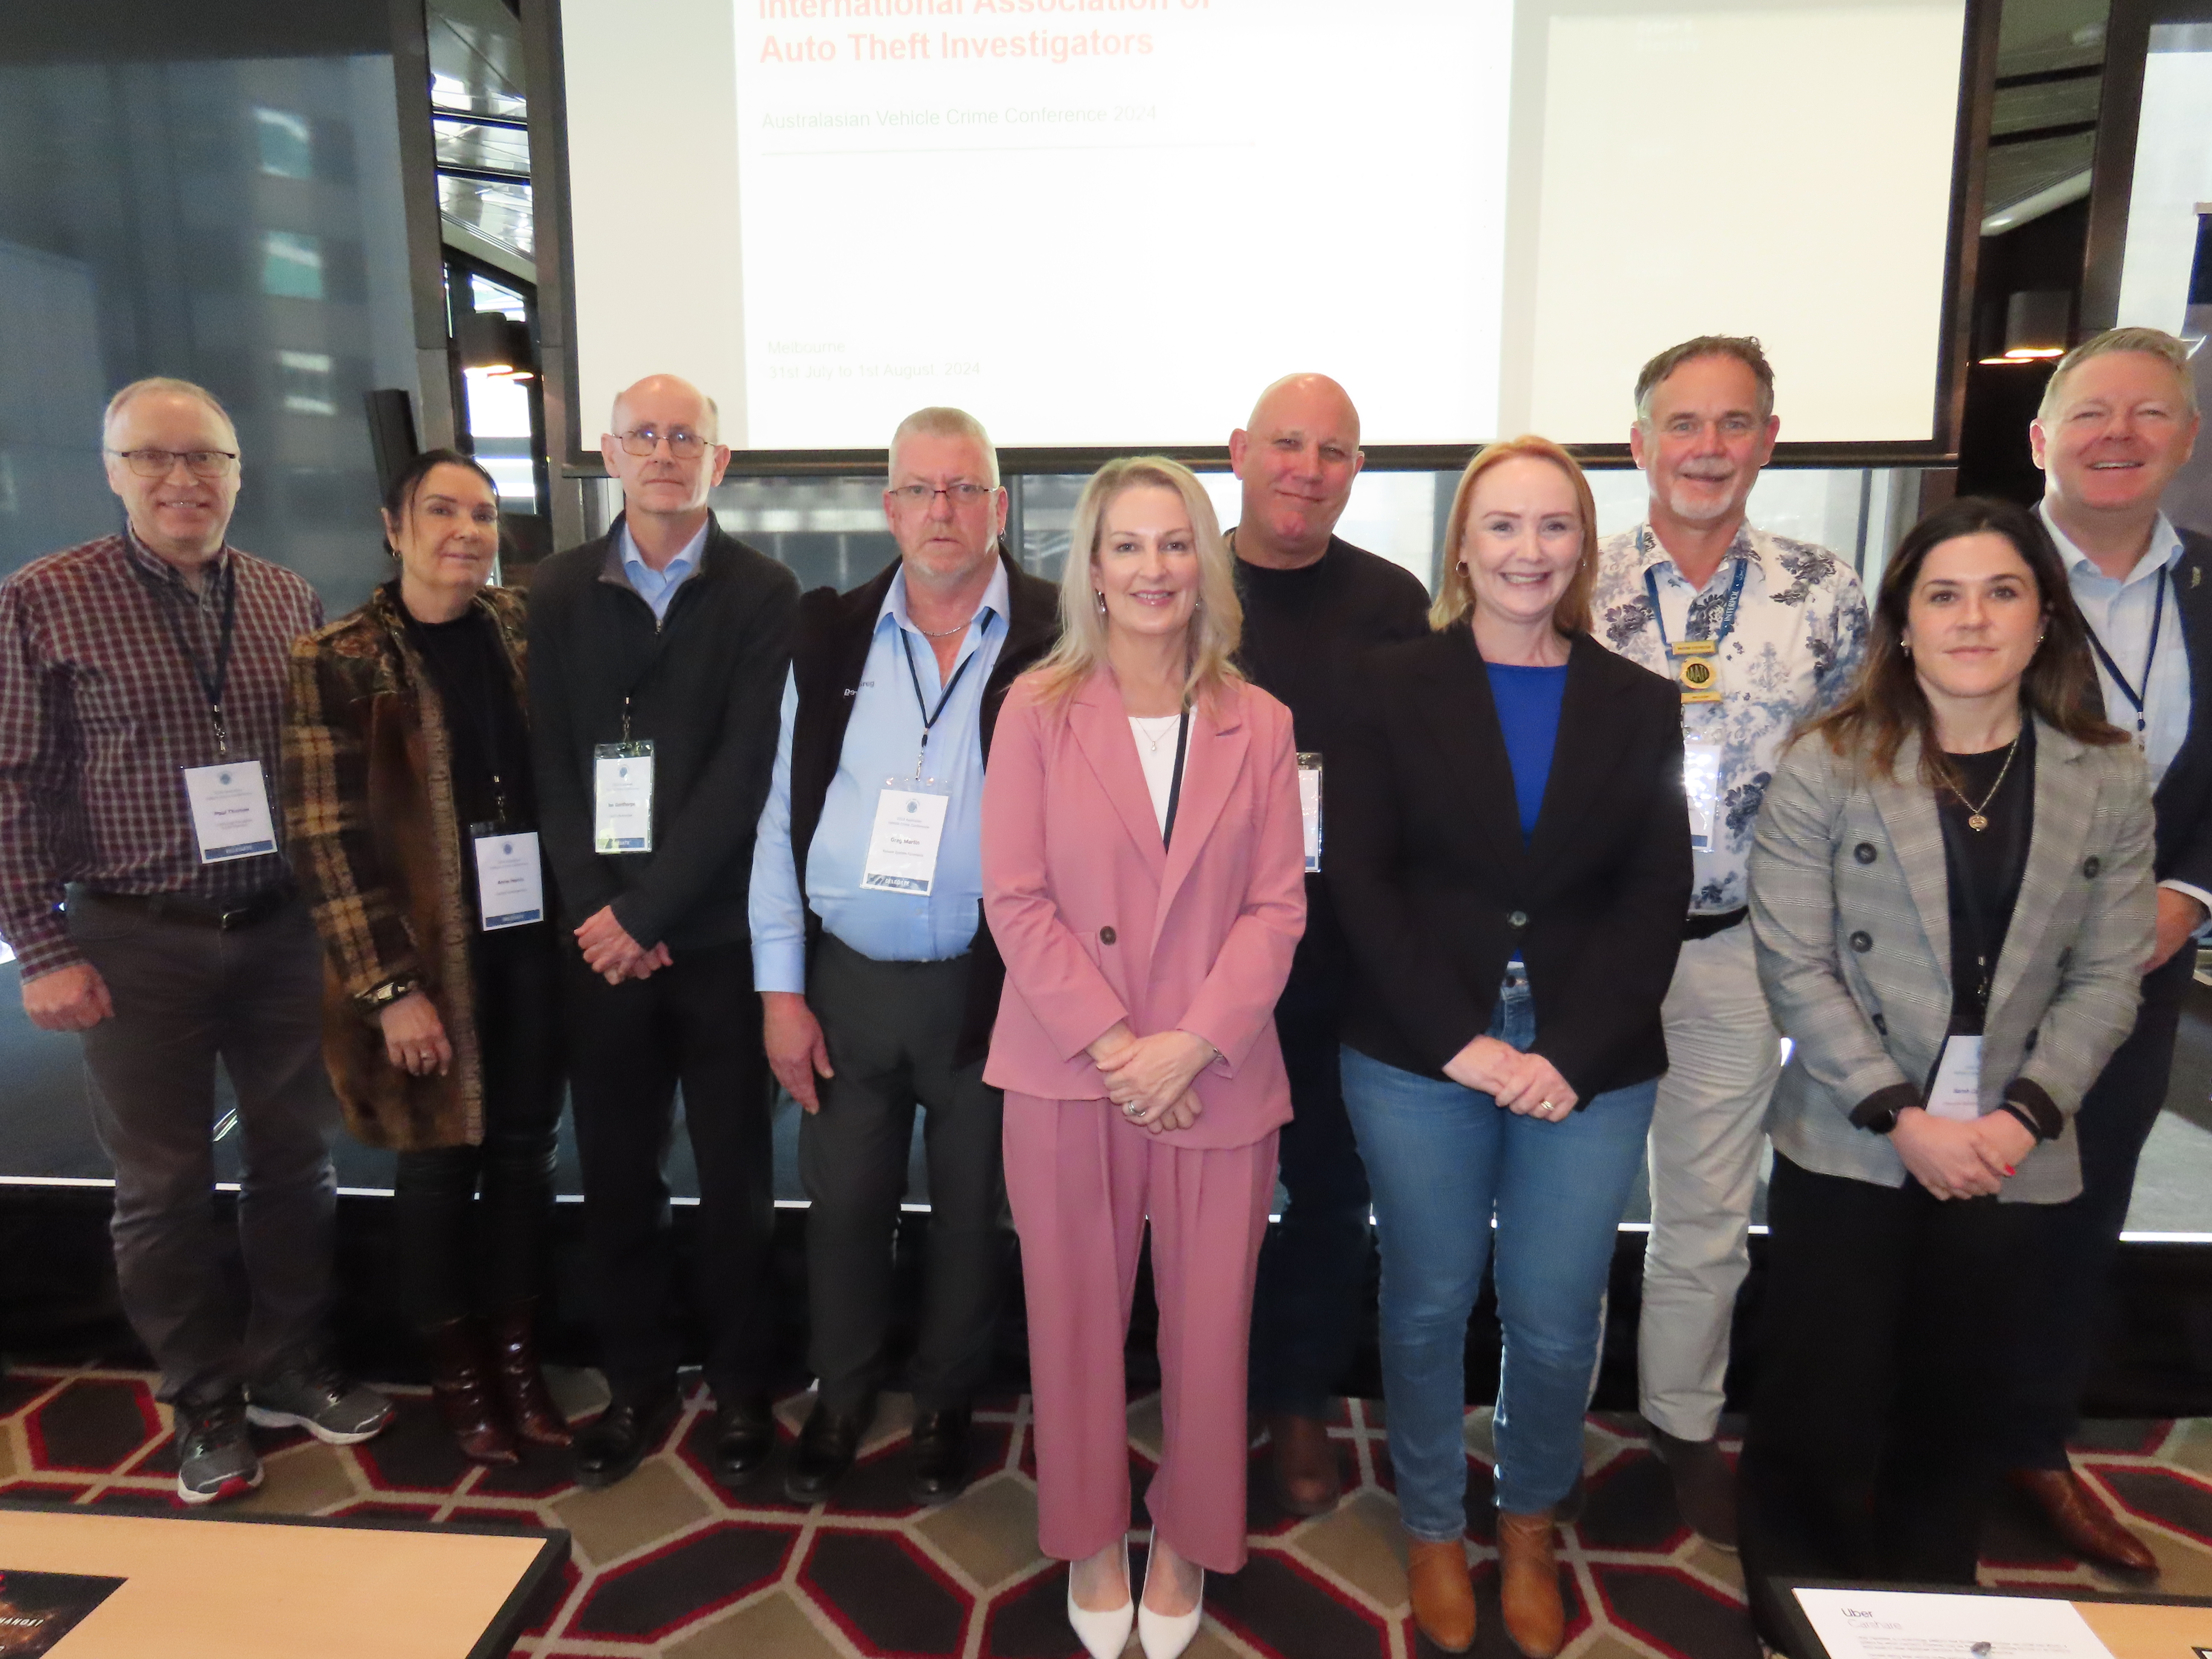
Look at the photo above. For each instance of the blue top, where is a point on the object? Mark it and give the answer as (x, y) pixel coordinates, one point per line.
(1528, 702)
(657, 587)
(881, 743)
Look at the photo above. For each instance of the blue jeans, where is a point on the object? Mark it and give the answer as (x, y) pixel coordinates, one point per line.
(1443, 1160)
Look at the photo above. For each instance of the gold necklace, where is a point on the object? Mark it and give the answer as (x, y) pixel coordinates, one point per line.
(1976, 817)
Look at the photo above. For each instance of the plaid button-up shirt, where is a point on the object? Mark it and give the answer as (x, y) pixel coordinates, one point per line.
(101, 713)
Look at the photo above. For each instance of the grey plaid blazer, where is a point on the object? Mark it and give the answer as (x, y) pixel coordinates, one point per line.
(1849, 914)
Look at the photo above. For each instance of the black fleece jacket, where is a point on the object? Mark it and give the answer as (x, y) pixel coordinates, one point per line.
(705, 685)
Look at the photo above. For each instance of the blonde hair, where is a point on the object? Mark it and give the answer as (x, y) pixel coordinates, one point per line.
(1455, 593)
(1217, 624)
(165, 384)
(2154, 342)
(941, 421)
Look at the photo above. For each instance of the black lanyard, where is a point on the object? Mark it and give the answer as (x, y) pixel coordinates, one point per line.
(1175, 784)
(1728, 616)
(2138, 699)
(212, 682)
(929, 720)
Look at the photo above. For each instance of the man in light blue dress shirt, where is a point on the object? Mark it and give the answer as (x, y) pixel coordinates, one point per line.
(2119, 421)
(876, 975)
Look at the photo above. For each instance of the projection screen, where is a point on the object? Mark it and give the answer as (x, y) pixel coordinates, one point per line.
(1106, 223)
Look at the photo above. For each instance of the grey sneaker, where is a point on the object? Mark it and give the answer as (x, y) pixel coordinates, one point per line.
(321, 1400)
(215, 1458)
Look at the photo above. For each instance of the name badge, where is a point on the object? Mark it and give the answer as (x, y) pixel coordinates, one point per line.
(1701, 788)
(622, 797)
(1956, 1092)
(1697, 669)
(230, 810)
(1310, 806)
(510, 881)
(902, 842)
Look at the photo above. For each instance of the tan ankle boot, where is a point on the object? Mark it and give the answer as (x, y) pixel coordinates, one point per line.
(1442, 1594)
(1528, 1582)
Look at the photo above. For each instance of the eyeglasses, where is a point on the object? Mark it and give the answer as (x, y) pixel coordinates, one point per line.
(960, 495)
(683, 444)
(157, 463)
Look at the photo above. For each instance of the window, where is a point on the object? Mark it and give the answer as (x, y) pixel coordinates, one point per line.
(292, 265)
(287, 143)
(305, 378)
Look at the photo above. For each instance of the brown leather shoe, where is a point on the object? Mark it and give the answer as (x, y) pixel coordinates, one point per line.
(1306, 1478)
(1442, 1592)
(1705, 1485)
(2080, 1518)
(522, 1378)
(1528, 1582)
(468, 1399)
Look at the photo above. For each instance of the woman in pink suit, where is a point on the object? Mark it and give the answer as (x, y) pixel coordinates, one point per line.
(1143, 874)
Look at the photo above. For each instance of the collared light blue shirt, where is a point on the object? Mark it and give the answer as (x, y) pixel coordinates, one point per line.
(882, 742)
(657, 587)
(2120, 611)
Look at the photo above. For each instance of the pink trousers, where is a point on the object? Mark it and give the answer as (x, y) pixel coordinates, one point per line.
(1082, 1183)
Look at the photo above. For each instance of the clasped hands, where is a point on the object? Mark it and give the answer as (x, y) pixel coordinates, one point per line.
(1954, 1159)
(612, 953)
(1148, 1077)
(1526, 1083)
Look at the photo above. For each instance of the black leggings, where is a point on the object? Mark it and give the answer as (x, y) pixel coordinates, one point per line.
(434, 1205)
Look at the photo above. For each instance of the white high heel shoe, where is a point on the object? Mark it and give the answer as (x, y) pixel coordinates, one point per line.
(1165, 1636)
(1104, 1635)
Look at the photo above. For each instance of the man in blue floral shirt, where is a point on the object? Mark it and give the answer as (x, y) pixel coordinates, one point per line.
(1758, 632)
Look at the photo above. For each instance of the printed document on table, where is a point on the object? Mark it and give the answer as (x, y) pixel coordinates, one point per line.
(1914, 1624)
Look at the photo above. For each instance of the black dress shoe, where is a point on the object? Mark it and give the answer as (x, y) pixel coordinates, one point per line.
(744, 1434)
(939, 1471)
(632, 1425)
(827, 1446)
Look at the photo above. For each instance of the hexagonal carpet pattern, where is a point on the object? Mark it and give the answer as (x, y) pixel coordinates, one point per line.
(668, 1565)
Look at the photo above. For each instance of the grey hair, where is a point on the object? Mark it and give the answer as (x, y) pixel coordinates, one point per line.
(714, 409)
(165, 384)
(2154, 342)
(1743, 348)
(940, 421)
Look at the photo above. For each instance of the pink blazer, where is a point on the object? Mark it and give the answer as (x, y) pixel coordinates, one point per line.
(1098, 923)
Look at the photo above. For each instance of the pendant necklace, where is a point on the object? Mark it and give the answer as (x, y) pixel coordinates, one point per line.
(1976, 817)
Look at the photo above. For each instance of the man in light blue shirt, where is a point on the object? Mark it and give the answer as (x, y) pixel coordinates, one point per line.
(877, 979)
(658, 586)
(2119, 421)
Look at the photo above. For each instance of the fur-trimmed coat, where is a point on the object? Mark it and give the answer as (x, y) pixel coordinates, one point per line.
(376, 845)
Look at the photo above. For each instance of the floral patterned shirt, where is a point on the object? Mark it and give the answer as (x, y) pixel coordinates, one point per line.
(1794, 648)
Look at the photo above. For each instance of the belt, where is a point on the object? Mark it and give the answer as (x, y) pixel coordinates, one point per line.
(199, 912)
(1717, 921)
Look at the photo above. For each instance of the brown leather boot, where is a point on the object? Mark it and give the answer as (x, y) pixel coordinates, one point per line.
(461, 1383)
(1306, 1476)
(1442, 1594)
(1528, 1582)
(522, 1379)
(2079, 1517)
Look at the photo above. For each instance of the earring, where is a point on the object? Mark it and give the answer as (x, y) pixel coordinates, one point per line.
(1101, 598)
(1905, 646)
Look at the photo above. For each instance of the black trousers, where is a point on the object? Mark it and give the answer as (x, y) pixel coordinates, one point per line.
(1314, 1261)
(893, 1027)
(2065, 1310)
(449, 1264)
(1868, 1454)
(695, 1023)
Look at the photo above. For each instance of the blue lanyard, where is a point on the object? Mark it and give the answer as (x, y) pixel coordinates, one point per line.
(2136, 698)
(1728, 615)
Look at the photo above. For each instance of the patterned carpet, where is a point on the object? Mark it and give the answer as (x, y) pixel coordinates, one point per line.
(666, 1565)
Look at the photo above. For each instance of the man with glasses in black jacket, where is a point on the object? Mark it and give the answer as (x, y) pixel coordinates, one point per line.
(657, 658)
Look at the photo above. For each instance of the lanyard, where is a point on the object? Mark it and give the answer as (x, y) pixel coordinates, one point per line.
(2135, 697)
(212, 682)
(1175, 784)
(929, 720)
(1728, 615)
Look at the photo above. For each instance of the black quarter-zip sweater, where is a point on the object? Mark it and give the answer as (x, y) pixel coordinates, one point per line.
(705, 685)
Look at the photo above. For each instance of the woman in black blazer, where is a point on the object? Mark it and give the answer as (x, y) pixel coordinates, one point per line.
(1509, 853)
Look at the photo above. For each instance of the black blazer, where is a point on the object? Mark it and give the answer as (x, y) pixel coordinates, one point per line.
(830, 653)
(706, 685)
(1437, 891)
(2184, 800)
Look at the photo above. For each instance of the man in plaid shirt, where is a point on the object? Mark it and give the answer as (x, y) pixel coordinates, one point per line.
(140, 674)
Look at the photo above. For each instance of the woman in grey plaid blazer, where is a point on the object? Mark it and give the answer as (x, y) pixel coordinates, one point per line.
(1951, 899)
